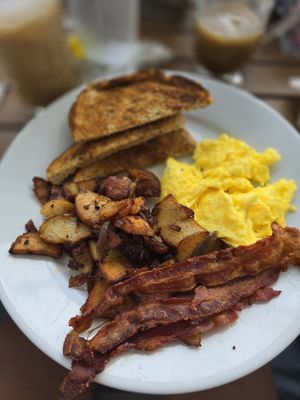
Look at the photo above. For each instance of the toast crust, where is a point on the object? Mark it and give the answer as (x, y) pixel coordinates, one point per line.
(173, 144)
(110, 106)
(83, 154)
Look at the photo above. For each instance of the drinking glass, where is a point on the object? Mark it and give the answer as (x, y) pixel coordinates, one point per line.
(107, 29)
(227, 31)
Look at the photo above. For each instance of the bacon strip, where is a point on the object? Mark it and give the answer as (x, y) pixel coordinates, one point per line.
(279, 250)
(206, 302)
(83, 372)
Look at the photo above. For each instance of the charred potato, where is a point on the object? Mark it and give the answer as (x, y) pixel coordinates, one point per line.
(88, 206)
(121, 208)
(174, 221)
(194, 340)
(187, 246)
(146, 183)
(115, 209)
(135, 225)
(64, 229)
(82, 255)
(116, 188)
(93, 250)
(139, 204)
(72, 189)
(42, 189)
(56, 207)
(32, 243)
(114, 266)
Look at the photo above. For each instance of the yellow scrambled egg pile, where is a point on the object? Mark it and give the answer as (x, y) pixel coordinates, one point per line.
(228, 188)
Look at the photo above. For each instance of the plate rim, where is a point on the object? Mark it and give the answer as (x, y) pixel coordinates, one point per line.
(149, 387)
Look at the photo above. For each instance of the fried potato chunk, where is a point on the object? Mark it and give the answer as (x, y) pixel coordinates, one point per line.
(189, 244)
(32, 243)
(115, 209)
(117, 188)
(72, 189)
(174, 221)
(121, 208)
(88, 206)
(194, 340)
(56, 207)
(114, 266)
(93, 250)
(82, 255)
(135, 225)
(64, 229)
(42, 189)
(146, 183)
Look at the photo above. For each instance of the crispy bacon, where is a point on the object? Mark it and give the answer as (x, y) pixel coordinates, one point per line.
(263, 295)
(83, 372)
(78, 280)
(206, 302)
(279, 250)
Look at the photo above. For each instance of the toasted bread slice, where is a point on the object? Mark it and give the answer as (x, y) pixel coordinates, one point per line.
(106, 107)
(83, 154)
(177, 143)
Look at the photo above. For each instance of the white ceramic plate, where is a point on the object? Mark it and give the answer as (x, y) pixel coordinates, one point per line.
(35, 290)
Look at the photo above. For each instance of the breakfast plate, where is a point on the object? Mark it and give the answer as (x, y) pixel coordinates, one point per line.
(36, 293)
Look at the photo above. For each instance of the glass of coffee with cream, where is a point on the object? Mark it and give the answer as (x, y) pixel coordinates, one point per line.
(34, 51)
(227, 31)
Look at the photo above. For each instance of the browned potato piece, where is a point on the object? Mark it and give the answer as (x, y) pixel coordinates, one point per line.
(115, 209)
(118, 209)
(174, 221)
(187, 245)
(95, 295)
(42, 189)
(72, 189)
(88, 205)
(93, 249)
(209, 244)
(147, 184)
(114, 266)
(89, 184)
(117, 188)
(56, 207)
(194, 340)
(56, 192)
(156, 245)
(135, 225)
(82, 255)
(138, 205)
(32, 243)
(64, 229)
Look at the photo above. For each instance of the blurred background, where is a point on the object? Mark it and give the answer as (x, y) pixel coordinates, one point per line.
(48, 47)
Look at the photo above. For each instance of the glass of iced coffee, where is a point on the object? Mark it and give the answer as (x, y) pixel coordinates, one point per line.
(227, 31)
(34, 51)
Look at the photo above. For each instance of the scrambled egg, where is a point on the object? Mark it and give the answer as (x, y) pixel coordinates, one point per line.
(228, 189)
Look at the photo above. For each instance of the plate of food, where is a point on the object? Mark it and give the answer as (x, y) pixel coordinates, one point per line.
(161, 240)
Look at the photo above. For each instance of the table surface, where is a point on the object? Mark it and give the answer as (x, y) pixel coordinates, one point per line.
(267, 76)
